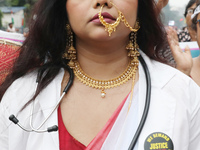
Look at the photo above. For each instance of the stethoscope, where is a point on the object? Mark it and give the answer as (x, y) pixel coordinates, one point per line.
(69, 84)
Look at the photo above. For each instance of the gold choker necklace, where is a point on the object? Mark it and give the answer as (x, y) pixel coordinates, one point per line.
(129, 73)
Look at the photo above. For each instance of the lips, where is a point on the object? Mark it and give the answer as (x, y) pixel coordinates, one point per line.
(107, 17)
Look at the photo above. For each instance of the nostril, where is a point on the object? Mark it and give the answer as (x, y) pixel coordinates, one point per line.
(98, 4)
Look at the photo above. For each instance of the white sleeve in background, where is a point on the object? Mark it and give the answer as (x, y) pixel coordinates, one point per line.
(195, 119)
(3, 128)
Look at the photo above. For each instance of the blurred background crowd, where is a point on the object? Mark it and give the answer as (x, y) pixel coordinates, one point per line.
(15, 14)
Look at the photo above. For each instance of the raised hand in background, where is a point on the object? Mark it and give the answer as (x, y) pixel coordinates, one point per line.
(161, 4)
(182, 58)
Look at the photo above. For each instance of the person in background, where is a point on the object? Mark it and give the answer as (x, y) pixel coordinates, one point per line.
(195, 72)
(167, 54)
(11, 28)
(188, 33)
(183, 59)
(161, 4)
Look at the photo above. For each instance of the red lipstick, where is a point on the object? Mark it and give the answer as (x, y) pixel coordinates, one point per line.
(107, 17)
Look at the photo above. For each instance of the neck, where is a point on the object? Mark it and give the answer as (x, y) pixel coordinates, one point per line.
(102, 60)
(198, 59)
(196, 63)
(192, 33)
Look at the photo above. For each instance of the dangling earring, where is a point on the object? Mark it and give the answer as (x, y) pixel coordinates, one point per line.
(132, 47)
(70, 53)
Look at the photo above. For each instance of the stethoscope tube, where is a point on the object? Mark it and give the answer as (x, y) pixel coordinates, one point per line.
(147, 104)
(52, 128)
(71, 79)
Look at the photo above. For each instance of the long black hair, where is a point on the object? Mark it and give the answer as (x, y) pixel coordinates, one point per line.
(47, 37)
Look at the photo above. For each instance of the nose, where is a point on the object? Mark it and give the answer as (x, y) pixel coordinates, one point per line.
(99, 3)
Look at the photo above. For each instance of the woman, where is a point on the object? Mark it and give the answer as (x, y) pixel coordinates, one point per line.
(188, 33)
(184, 61)
(99, 111)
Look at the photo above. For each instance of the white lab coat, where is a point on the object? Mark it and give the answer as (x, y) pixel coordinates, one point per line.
(174, 110)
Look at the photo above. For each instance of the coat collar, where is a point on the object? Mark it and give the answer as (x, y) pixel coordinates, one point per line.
(48, 100)
(160, 73)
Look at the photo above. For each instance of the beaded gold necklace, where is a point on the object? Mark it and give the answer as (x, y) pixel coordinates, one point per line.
(129, 73)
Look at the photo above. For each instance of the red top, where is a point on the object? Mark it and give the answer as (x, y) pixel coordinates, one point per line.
(68, 142)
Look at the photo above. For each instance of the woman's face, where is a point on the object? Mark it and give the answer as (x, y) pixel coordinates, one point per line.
(83, 17)
(189, 14)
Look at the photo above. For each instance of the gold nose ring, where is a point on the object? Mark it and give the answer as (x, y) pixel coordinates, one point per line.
(112, 27)
(109, 27)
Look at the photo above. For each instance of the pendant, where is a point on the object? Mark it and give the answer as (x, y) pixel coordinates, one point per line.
(103, 93)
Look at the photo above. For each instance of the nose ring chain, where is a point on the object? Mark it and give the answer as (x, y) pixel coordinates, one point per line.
(110, 28)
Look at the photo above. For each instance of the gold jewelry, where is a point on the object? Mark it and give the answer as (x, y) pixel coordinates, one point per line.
(133, 47)
(70, 53)
(123, 19)
(109, 27)
(133, 53)
(137, 24)
(131, 95)
(112, 27)
(105, 84)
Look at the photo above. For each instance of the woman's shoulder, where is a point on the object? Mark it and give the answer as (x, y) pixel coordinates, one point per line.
(24, 88)
(29, 78)
(175, 83)
(20, 88)
(163, 75)
(172, 74)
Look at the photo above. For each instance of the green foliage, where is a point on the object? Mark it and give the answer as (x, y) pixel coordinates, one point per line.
(9, 2)
(22, 2)
(4, 3)
(17, 2)
(28, 4)
(1, 16)
(14, 2)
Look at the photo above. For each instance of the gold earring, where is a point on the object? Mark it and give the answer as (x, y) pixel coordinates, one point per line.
(70, 53)
(133, 47)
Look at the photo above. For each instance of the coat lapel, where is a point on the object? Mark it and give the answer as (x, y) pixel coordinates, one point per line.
(47, 101)
(160, 74)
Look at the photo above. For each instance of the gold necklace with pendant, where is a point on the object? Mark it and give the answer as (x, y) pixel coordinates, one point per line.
(102, 85)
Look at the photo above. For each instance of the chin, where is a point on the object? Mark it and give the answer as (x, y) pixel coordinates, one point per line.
(101, 36)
